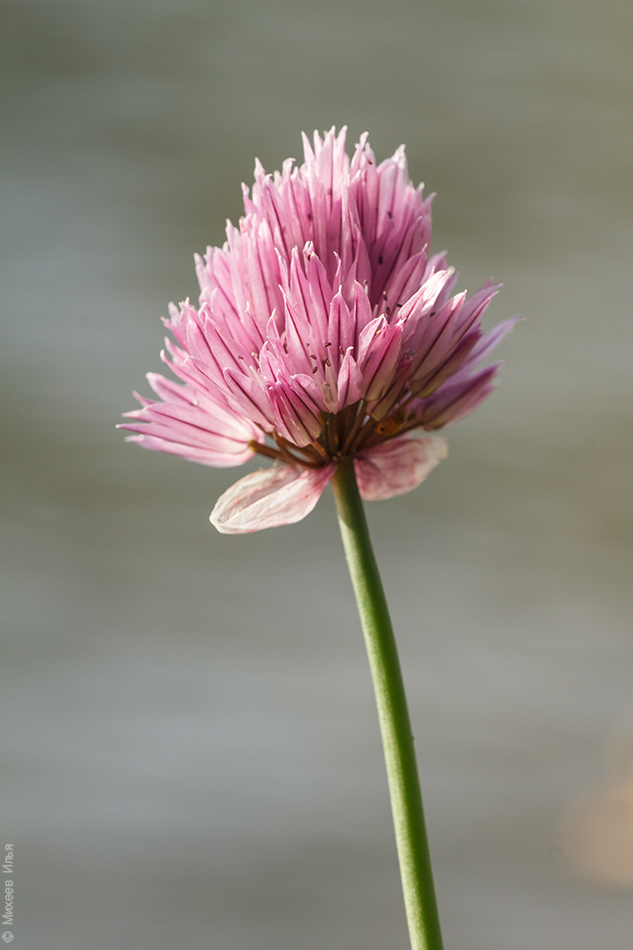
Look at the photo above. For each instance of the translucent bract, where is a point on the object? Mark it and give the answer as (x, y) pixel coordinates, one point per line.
(323, 331)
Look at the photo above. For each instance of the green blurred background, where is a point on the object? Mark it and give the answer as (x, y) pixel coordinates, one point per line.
(192, 753)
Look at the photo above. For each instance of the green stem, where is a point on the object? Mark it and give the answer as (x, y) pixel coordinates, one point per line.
(395, 726)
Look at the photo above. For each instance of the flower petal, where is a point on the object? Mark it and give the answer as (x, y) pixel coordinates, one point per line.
(191, 425)
(397, 467)
(270, 497)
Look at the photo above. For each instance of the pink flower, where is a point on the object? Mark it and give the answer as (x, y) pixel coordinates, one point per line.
(324, 331)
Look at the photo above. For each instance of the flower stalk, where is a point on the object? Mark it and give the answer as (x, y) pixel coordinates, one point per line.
(395, 727)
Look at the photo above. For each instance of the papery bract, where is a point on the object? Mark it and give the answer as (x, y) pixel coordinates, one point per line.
(323, 331)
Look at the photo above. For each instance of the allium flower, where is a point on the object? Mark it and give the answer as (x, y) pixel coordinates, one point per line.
(324, 331)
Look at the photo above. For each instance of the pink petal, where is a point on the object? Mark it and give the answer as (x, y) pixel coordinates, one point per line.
(487, 343)
(199, 431)
(248, 398)
(270, 497)
(379, 352)
(205, 456)
(349, 381)
(297, 416)
(399, 466)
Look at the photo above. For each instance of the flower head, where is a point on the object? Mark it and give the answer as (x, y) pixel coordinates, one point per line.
(324, 331)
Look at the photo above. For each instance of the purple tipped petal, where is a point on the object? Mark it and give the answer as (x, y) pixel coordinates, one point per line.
(454, 401)
(397, 467)
(269, 498)
(486, 345)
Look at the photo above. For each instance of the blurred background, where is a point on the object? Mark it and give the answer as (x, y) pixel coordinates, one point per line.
(191, 746)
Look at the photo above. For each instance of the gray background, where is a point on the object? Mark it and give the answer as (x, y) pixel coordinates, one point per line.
(191, 745)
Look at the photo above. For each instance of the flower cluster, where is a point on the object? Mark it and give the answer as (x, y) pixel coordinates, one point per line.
(324, 331)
